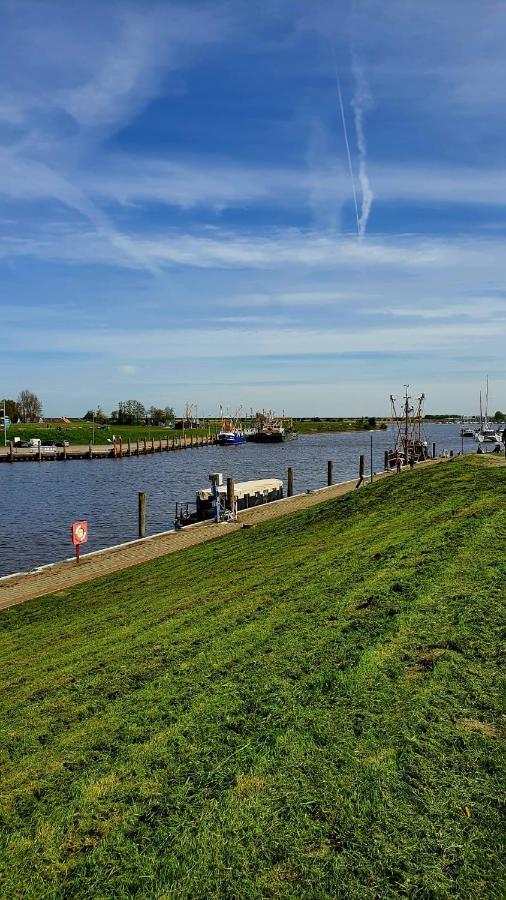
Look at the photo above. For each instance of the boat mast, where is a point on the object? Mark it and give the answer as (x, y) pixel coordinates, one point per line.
(406, 421)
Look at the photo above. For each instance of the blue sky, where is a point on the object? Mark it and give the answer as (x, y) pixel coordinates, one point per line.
(177, 215)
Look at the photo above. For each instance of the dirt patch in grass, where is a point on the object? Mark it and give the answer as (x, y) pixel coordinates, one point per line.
(485, 728)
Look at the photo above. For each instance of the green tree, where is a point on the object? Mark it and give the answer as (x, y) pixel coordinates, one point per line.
(11, 410)
(499, 416)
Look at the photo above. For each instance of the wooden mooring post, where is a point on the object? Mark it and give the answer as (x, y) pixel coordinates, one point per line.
(433, 450)
(385, 461)
(330, 467)
(230, 493)
(289, 487)
(142, 515)
(11, 451)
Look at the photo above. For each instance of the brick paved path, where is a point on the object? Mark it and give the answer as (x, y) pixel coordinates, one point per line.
(18, 588)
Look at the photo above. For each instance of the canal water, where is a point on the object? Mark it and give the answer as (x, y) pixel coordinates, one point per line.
(40, 500)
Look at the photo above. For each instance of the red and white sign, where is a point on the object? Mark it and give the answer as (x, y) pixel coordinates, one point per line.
(79, 533)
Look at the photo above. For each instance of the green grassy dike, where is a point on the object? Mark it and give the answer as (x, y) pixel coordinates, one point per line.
(306, 709)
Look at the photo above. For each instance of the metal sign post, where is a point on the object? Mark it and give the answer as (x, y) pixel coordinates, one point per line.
(79, 533)
(7, 424)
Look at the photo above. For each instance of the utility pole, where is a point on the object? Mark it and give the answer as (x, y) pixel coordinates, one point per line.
(93, 428)
(5, 428)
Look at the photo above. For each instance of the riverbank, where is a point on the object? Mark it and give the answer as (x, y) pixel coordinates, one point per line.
(60, 576)
(307, 708)
(329, 426)
(83, 433)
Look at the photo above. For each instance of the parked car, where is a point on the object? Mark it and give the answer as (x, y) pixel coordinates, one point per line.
(61, 444)
(48, 444)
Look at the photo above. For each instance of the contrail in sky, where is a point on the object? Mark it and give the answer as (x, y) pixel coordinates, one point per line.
(346, 141)
(361, 101)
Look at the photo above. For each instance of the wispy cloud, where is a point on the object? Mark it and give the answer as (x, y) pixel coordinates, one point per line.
(361, 102)
(200, 142)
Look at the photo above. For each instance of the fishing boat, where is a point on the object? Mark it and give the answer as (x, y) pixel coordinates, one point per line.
(409, 444)
(272, 431)
(211, 503)
(232, 432)
(231, 435)
(467, 432)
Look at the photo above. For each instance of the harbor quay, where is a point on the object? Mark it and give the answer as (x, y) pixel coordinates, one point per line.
(115, 450)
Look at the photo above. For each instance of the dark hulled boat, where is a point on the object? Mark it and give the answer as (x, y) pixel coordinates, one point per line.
(273, 431)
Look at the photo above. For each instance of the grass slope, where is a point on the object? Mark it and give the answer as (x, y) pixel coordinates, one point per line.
(310, 708)
(81, 432)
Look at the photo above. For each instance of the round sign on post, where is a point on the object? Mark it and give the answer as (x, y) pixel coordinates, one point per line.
(79, 536)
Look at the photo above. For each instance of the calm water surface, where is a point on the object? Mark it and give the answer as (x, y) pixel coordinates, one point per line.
(40, 500)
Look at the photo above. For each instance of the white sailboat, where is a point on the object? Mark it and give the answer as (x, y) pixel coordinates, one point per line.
(487, 433)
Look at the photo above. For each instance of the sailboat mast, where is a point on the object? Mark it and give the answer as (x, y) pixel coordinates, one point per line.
(406, 421)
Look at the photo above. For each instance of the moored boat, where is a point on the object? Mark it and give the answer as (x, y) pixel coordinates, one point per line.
(487, 433)
(273, 431)
(410, 445)
(231, 436)
(211, 503)
(232, 432)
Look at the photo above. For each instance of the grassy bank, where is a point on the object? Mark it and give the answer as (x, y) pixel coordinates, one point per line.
(306, 709)
(325, 426)
(81, 432)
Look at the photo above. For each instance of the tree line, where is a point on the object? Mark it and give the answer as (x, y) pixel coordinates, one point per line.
(132, 412)
(27, 408)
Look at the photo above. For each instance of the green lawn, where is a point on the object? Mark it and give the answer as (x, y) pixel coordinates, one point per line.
(311, 708)
(309, 426)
